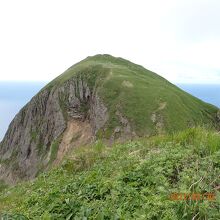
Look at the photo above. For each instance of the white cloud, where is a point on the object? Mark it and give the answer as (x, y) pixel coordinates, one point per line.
(40, 39)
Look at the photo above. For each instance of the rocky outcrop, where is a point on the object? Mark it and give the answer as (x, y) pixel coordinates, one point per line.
(35, 134)
(123, 131)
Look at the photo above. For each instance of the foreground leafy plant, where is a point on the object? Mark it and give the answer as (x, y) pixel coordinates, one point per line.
(128, 181)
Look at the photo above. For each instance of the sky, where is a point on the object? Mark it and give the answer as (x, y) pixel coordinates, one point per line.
(178, 39)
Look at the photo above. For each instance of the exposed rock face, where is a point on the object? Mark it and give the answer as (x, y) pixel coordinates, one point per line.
(124, 131)
(39, 127)
(157, 118)
(77, 133)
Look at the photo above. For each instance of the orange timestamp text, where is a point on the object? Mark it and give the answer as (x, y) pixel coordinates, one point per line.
(192, 196)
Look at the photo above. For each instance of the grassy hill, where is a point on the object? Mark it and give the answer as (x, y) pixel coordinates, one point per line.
(101, 97)
(134, 180)
(149, 102)
(173, 148)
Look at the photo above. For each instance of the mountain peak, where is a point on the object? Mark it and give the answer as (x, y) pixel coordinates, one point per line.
(101, 97)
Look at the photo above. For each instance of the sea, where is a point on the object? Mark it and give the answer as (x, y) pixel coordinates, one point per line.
(14, 95)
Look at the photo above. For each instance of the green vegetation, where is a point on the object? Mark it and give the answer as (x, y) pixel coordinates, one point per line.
(34, 136)
(134, 180)
(151, 104)
(54, 149)
(127, 181)
(3, 185)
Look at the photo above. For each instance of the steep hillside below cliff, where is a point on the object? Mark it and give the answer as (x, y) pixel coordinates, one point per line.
(99, 97)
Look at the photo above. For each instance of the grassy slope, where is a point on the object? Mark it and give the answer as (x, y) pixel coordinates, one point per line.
(138, 93)
(133, 180)
(128, 181)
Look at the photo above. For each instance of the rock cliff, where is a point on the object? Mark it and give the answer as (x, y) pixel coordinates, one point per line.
(37, 130)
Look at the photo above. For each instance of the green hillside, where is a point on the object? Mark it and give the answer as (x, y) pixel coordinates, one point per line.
(128, 181)
(150, 103)
(168, 143)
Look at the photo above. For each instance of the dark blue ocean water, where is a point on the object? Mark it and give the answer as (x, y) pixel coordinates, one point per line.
(14, 95)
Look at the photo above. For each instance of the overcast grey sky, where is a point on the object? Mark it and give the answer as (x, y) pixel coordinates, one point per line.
(178, 39)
